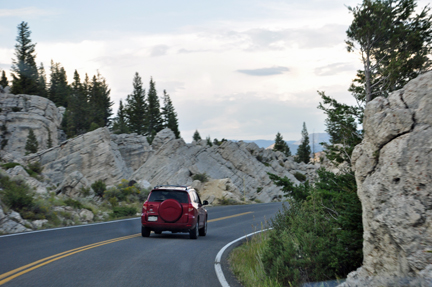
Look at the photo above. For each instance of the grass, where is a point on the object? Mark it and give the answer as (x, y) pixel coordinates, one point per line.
(246, 263)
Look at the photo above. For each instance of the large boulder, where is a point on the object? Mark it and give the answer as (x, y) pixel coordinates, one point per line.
(393, 168)
(93, 155)
(21, 113)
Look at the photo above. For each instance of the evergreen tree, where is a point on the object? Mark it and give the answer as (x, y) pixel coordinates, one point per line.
(31, 143)
(49, 142)
(136, 109)
(169, 115)
(25, 72)
(58, 91)
(304, 150)
(155, 123)
(281, 145)
(42, 82)
(120, 124)
(394, 44)
(99, 102)
(196, 136)
(3, 80)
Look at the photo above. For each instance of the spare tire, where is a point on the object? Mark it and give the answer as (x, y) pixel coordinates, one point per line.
(170, 210)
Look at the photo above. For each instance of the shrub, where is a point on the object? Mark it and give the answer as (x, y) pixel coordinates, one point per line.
(16, 194)
(74, 203)
(203, 177)
(319, 237)
(36, 167)
(122, 211)
(84, 191)
(300, 176)
(99, 187)
(10, 165)
(16, 109)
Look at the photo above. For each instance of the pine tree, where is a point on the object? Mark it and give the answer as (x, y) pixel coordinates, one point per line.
(3, 80)
(169, 115)
(196, 136)
(99, 102)
(59, 90)
(136, 109)
(25, 72)
(42, 82)
(281, 145)
(76, 118)
(154, 114)
(304, 150)
(394, 45)
(31, 143)
(120, 123)
(49, 142)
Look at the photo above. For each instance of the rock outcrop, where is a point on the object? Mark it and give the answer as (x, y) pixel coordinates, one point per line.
(245, 164)
(393, 168)
(93, 155)
(19, 114)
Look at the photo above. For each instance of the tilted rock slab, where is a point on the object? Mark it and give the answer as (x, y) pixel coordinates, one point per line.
(19, 114)
(94, 155)
(175, 162)
(393, 168)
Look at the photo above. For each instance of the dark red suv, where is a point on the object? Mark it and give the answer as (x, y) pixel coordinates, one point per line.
(174, 208)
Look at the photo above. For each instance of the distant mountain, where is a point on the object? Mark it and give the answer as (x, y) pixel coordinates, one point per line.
(293, 145)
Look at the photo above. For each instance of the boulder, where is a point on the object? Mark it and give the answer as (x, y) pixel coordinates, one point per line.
(19, 114)
(393, 169)
(93, 154)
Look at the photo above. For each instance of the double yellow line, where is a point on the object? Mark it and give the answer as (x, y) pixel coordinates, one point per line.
(8, 276)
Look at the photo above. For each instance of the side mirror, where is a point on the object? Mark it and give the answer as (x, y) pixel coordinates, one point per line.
(205, 202)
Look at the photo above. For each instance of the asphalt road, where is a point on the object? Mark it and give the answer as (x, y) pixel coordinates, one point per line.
(115, 254)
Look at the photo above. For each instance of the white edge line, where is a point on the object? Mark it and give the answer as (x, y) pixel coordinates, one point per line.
(218, 266)
(66, 227)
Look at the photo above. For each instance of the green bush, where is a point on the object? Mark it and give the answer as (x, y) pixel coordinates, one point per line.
(319, 237)
(126, 191)
(99, 187)
(203, 177)
(300, 176)
(10, 165)
(122, 211)
(73, 203)
(35, 167)
(16, 194)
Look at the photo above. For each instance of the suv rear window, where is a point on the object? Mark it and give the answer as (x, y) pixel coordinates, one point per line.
(161, 195)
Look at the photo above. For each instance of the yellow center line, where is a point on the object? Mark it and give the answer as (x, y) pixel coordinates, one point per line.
(226, 217)
(42, 262)
(57, 257)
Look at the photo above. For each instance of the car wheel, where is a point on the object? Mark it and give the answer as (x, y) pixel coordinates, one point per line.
(145, 232)
(203, 231)
(193, 233)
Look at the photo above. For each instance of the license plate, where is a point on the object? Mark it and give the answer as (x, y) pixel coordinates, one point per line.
(152, 218)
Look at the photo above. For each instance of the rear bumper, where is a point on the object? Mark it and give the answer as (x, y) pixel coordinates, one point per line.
(160, 225)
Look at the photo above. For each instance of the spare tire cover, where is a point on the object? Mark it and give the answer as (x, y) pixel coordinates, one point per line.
(170, 210)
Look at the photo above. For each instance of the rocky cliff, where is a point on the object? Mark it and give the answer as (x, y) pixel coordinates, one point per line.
(19, 114)
(393, 168)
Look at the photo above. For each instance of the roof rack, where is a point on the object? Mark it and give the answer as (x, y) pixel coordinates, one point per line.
(173, 186)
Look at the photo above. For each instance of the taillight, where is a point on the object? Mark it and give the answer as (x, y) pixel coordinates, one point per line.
(145, 206)
(190, 207)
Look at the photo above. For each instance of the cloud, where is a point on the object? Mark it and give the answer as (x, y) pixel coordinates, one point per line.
(265, 71)
(27, 11)
(159, 50)
(334, 69)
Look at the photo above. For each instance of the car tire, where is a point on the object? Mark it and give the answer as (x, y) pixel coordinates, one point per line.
(145, 232)
(193, 233)
(203, 231)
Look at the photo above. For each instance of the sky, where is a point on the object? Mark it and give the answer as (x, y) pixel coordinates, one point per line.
(237, 69)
